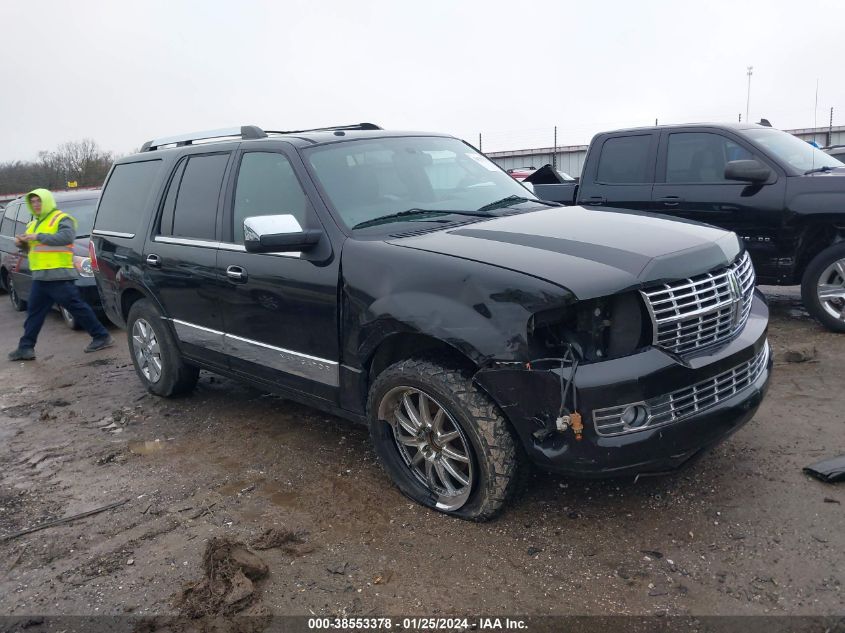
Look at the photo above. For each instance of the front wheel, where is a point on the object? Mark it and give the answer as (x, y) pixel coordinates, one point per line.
(155, 353)
(823, 287)
(443, 441)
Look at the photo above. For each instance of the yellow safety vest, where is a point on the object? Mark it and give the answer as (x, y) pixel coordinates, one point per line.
(42, 256)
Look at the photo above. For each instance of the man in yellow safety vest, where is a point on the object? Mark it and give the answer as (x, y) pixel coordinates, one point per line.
(48, 241)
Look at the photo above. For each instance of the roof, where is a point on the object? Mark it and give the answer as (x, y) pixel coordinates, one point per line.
(732, 126)
(68, 196)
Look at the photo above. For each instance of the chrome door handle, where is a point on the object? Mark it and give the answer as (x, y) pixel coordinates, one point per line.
(153, 260)
(236, 273)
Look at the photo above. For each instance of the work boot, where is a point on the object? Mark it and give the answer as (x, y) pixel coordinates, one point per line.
(26, 353)
(100, 343)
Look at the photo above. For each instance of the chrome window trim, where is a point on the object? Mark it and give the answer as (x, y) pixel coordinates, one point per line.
(224, 246)
(112, 233)
(186, 241)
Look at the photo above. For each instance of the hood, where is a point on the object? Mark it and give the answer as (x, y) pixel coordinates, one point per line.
(48, 203)
(594, 252)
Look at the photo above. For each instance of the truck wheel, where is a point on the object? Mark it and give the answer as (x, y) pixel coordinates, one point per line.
(442, 440)
(18, 304)
(155, 353)
(823, 287)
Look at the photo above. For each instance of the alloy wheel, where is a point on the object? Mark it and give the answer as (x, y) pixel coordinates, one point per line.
(146, 349)
(831, 289)
(14, 297)
(70, 321)
(431, 443)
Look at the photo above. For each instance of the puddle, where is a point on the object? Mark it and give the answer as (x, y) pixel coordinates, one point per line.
(149, 447)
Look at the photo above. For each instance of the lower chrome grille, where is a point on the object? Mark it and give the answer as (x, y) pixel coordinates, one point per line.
(682, 403)
(696, 313)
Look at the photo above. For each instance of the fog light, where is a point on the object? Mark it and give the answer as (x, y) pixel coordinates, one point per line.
(634, 416)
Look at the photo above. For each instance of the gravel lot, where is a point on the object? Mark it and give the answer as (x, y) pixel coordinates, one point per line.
(743, 531)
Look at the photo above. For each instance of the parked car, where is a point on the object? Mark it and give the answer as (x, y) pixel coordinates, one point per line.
(522, 173)
(837, 151)
(782, 196)
(405, 281)
(15, 276)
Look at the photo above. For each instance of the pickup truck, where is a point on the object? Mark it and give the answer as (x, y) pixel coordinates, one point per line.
(783, 197)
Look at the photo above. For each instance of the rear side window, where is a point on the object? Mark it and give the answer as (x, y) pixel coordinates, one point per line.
(125, 197)
(8, 227)
(624, 160)
(24, 218)
(198, 191)
(267, 185)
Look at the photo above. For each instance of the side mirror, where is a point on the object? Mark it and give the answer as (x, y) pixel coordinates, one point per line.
(747, 171)
(277, 234)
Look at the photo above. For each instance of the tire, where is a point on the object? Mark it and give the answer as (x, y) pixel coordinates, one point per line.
(155, 353)
(69, 319)
(826, 269)
(18, 304)
(480, 433)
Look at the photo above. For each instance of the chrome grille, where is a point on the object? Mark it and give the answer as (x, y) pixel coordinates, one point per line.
(686, 402)
(696, 313)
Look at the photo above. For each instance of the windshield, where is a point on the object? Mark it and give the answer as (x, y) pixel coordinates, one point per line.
(791, 149)
(83, 212)
(370, 179)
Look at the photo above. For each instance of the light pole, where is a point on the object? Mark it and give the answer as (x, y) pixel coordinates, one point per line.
(748, 97)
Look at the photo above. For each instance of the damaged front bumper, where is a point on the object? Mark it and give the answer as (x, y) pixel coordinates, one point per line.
(676, 408)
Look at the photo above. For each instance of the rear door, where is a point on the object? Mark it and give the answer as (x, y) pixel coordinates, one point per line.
(622, 173)
(279, 310)
(20, 262)
(691, 184)
(180, 259)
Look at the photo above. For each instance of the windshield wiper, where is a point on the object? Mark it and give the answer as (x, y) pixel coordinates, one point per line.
(411, 212)
(823, 168)
(512, 200)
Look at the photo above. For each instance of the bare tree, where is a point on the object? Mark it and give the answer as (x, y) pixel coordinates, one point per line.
(80, 161)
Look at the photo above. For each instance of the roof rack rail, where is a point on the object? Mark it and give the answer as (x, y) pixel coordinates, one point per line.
(244, 132)
(332, 128)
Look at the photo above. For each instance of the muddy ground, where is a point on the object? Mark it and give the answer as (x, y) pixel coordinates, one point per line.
(743, 531)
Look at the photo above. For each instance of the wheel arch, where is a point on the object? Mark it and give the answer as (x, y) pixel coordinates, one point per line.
(814, 239)
(405, 345)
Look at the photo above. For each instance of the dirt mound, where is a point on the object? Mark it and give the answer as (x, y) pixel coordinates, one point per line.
(227, 587)
(289, 542)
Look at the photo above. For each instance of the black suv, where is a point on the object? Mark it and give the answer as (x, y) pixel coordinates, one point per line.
(405, 281)
(15, 276)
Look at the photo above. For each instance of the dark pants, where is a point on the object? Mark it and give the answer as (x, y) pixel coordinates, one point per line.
(43, 295)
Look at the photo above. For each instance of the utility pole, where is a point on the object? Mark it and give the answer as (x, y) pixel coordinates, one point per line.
(740, 117)
(479, 141)
(748, 96)
(830, 130)
(554, 155)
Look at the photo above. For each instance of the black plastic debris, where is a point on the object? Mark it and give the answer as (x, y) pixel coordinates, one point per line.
(828, 470)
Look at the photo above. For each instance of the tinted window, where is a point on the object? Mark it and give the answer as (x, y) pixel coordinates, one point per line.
(624, 160)
(195, 214)
(695, 157)
(125, 196)
(8, 227)
(840, 156)
(24, 218)
(83, 212)
(267, 185)
(166, 222)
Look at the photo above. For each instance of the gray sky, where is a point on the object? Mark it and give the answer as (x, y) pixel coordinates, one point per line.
(124, 72)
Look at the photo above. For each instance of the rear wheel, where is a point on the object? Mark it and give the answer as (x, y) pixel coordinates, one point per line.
(443, 441)
(155, 353)
(17, 303)
(823, 287)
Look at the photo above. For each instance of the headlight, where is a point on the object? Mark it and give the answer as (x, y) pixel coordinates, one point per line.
(83, 266)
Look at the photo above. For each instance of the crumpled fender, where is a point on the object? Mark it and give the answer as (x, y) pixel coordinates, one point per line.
(479, 309)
